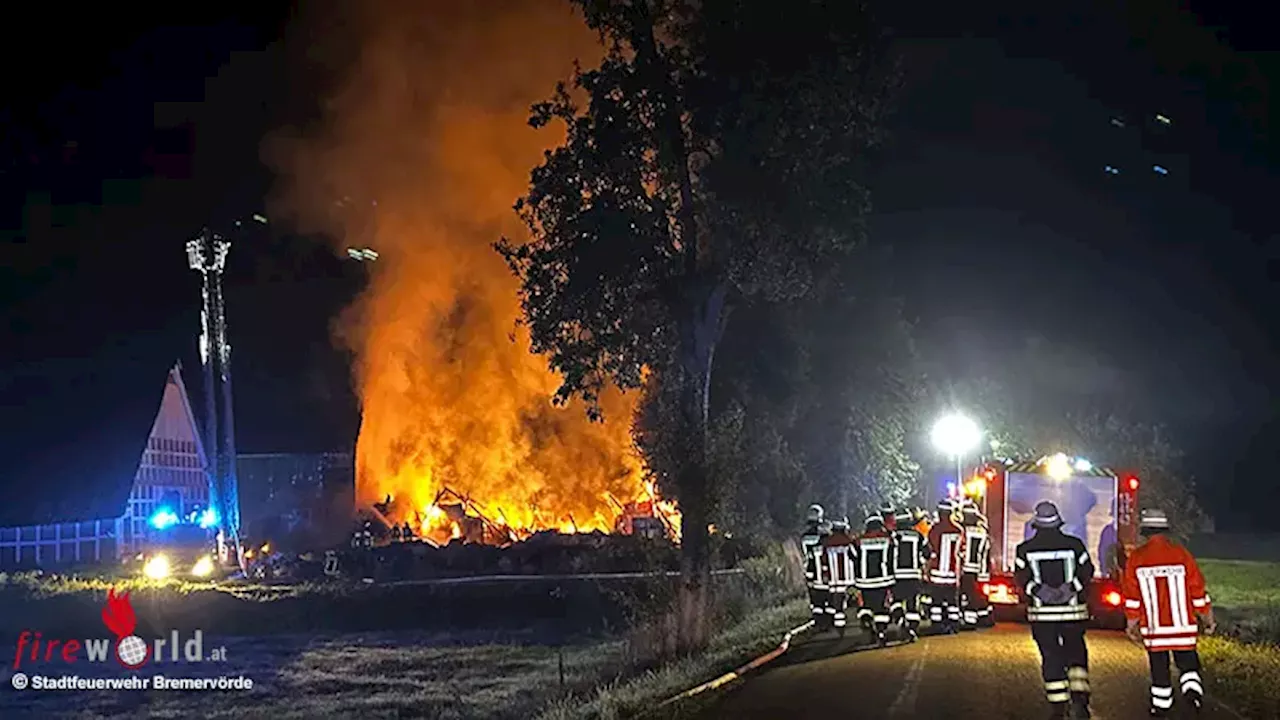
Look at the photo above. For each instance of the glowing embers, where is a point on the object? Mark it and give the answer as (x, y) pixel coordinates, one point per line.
(453, 516)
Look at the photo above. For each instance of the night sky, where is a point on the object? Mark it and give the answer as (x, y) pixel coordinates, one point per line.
(116, 148)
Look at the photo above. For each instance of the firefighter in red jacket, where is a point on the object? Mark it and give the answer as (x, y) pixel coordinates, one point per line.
(838, 564)
(946, 548)
(1165, 600)
(875, 577)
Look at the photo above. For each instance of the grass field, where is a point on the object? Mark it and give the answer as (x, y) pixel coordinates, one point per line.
(297, 646)
(1242, 664)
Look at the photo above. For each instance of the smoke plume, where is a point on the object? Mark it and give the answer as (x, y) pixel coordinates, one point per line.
(419, 155)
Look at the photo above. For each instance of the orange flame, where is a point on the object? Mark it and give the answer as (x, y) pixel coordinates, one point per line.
(421, 154)
(118, 615)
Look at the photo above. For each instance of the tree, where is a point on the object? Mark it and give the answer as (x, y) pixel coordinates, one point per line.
(1088, 428)
(716, 158)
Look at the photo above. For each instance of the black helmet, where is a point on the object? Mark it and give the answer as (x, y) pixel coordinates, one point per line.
(874, 522)
(815, 513)
(1047, 516)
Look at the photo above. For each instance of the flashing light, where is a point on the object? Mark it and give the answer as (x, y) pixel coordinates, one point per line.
(1083, 465)
(1058, 466)
(266, 548)
(1133, 483)
(203, 567)
(976, 486)
(163, 518)
(158, 568)
(1113, 598)
(208, 518)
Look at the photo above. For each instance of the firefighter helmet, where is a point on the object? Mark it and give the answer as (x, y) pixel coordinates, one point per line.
(815, 513)
(1047, 516)
(1154, 519)
(874, 522)
(840, 525)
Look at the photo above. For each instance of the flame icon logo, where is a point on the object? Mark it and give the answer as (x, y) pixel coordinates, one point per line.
(131, 650)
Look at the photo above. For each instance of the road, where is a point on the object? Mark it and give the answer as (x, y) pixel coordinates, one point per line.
(991, 674)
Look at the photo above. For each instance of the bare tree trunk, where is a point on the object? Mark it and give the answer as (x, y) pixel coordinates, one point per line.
(699, 336)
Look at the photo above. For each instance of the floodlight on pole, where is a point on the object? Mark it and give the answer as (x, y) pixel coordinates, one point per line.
(955, 435)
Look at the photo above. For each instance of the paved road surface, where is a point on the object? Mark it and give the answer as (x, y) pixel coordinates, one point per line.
(991, 674)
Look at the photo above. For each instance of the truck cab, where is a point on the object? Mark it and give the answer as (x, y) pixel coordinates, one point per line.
(1099, 505)
(177, 547)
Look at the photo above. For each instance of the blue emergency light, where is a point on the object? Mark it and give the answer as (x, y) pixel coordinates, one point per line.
(163, 518)
(208, 518)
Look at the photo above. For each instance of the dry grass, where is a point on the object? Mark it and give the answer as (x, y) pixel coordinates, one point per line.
(1243, 665)
(1244, 675)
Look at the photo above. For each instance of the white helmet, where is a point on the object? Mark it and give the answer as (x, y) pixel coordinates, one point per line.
(815, 513)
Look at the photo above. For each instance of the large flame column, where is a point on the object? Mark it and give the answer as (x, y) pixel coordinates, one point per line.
(207, 255)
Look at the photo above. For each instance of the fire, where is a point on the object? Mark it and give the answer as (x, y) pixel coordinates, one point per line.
(422, 151)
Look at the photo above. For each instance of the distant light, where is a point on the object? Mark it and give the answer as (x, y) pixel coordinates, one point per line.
(1083, 465)
(955, 435)
(163, 518)
(1117, 122)
(1111, 170)
(260, 218)
(1160, 169)
(1162, 119)
(1133, 483)
(1058, 466)
(208, 518)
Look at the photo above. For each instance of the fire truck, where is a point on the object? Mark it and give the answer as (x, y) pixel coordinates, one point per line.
(1098, 505)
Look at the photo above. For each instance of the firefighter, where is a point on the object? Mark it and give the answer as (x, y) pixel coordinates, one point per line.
(1161, 568)
(910, 553)
(839, 558)
(407, 532)
(889, 517)
(921, 519)
(946, 550)
(976, 568)
(815, 530)
(395, 533)
(875, 577)
(1054, 570)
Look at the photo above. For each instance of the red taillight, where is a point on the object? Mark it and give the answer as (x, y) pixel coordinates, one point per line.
(1113, 598)
(1133, 483)
(986, 588)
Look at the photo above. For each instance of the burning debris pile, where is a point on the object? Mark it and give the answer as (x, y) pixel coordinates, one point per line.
(455, 518)
(418, 157)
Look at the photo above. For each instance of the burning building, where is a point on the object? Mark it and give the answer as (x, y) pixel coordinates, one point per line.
(422, 150)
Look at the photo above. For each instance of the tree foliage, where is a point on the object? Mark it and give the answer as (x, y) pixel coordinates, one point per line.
(1026, 424)
(712, 157)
